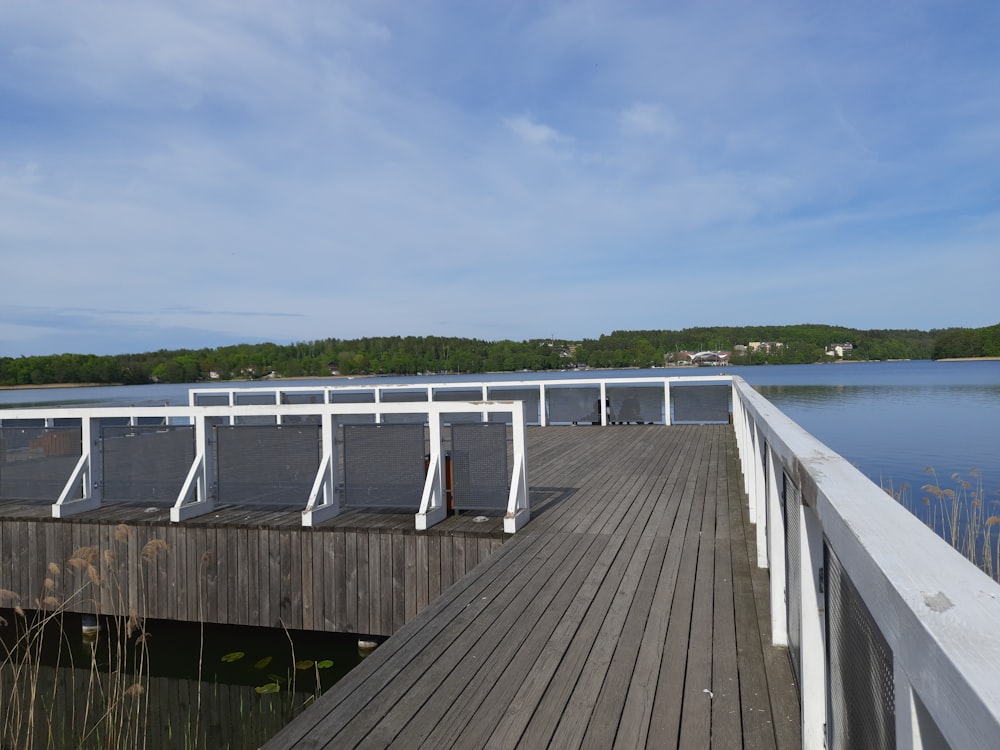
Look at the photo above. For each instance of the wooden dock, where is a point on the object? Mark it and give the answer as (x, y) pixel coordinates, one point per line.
(361, 572)
(628, 613)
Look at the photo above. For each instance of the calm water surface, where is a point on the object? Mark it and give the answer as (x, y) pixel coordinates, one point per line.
(890, 419)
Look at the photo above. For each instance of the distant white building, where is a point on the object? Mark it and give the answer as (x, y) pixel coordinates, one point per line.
(765, 346)
(714, 358)
(839, 350)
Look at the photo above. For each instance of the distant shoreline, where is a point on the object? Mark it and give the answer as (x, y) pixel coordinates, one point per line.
(969, 359)
(261, 381)
(54, 385)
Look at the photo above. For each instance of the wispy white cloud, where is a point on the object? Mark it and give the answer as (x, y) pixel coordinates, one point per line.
(644, 119)
(343, 169)
(534, 133)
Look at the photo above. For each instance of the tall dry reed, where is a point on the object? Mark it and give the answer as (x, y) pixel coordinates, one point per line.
(960, 513)
(52, 713)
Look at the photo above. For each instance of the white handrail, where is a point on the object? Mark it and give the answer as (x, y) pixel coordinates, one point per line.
(424, 391)
(939, 614)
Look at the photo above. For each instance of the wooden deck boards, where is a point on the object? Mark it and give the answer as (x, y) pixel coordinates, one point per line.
(626, 614)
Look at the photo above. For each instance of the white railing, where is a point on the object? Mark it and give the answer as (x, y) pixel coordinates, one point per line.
(84, 489)
(539, 393)
(938, 614)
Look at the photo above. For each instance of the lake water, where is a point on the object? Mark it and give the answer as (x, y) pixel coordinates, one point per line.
(890, 419)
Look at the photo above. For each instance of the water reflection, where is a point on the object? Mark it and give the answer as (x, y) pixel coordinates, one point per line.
(893, 432)
(167, 685)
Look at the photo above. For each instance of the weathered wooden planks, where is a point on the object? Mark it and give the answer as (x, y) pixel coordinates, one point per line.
(625, 615)
(362, 572)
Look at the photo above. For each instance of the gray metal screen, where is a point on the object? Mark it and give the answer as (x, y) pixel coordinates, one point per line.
(384, 466)
(468, 394)
(480, 471)
(302, 398)
(700, 404)
(367, 397)
(36, 462)
(635, 404)
(401, 396)
(574, 404)
(256, 399)
(211, 399)
(147, 464)
(861, 679)
(267, 464)
(529, 396)
(791, 499)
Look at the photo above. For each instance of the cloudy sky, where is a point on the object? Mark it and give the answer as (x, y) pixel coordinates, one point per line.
(188, 174)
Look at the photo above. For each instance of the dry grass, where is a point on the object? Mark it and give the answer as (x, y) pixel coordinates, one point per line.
(110, 712)
(960, 513)
(106, 701)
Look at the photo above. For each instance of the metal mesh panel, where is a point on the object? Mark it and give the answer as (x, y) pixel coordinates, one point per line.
(211, 399)
(146, 463)
(529, 396)
(267, 464)
(259, 399)
(354, 398)
(312, 397)
(467, 394)
(791, 500)
(400, 396)
(861, 678)
(306, 397)
(256, 399)
(294, 419)
(638, 404)
(700, 404)
(480, 473)
(384, 466)
(574, 404)
(36, 462)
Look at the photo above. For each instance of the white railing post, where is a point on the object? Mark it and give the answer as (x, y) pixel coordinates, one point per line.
(813, 634)
(324, 500)
(518, 504)
(200, 480)
(604, 404)
(740, 417)
(776, 552)
(915, 728)
(86, 476)
(666, 402)
(543, 407)
(433, 508)
(752, 472)
(763, 494)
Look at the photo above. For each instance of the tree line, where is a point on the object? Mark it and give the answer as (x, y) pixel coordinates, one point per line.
(408, 355)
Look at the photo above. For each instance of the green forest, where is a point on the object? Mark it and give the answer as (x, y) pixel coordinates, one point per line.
(408, 355)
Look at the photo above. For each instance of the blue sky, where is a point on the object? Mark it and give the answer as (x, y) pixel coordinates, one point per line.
(191, 174)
